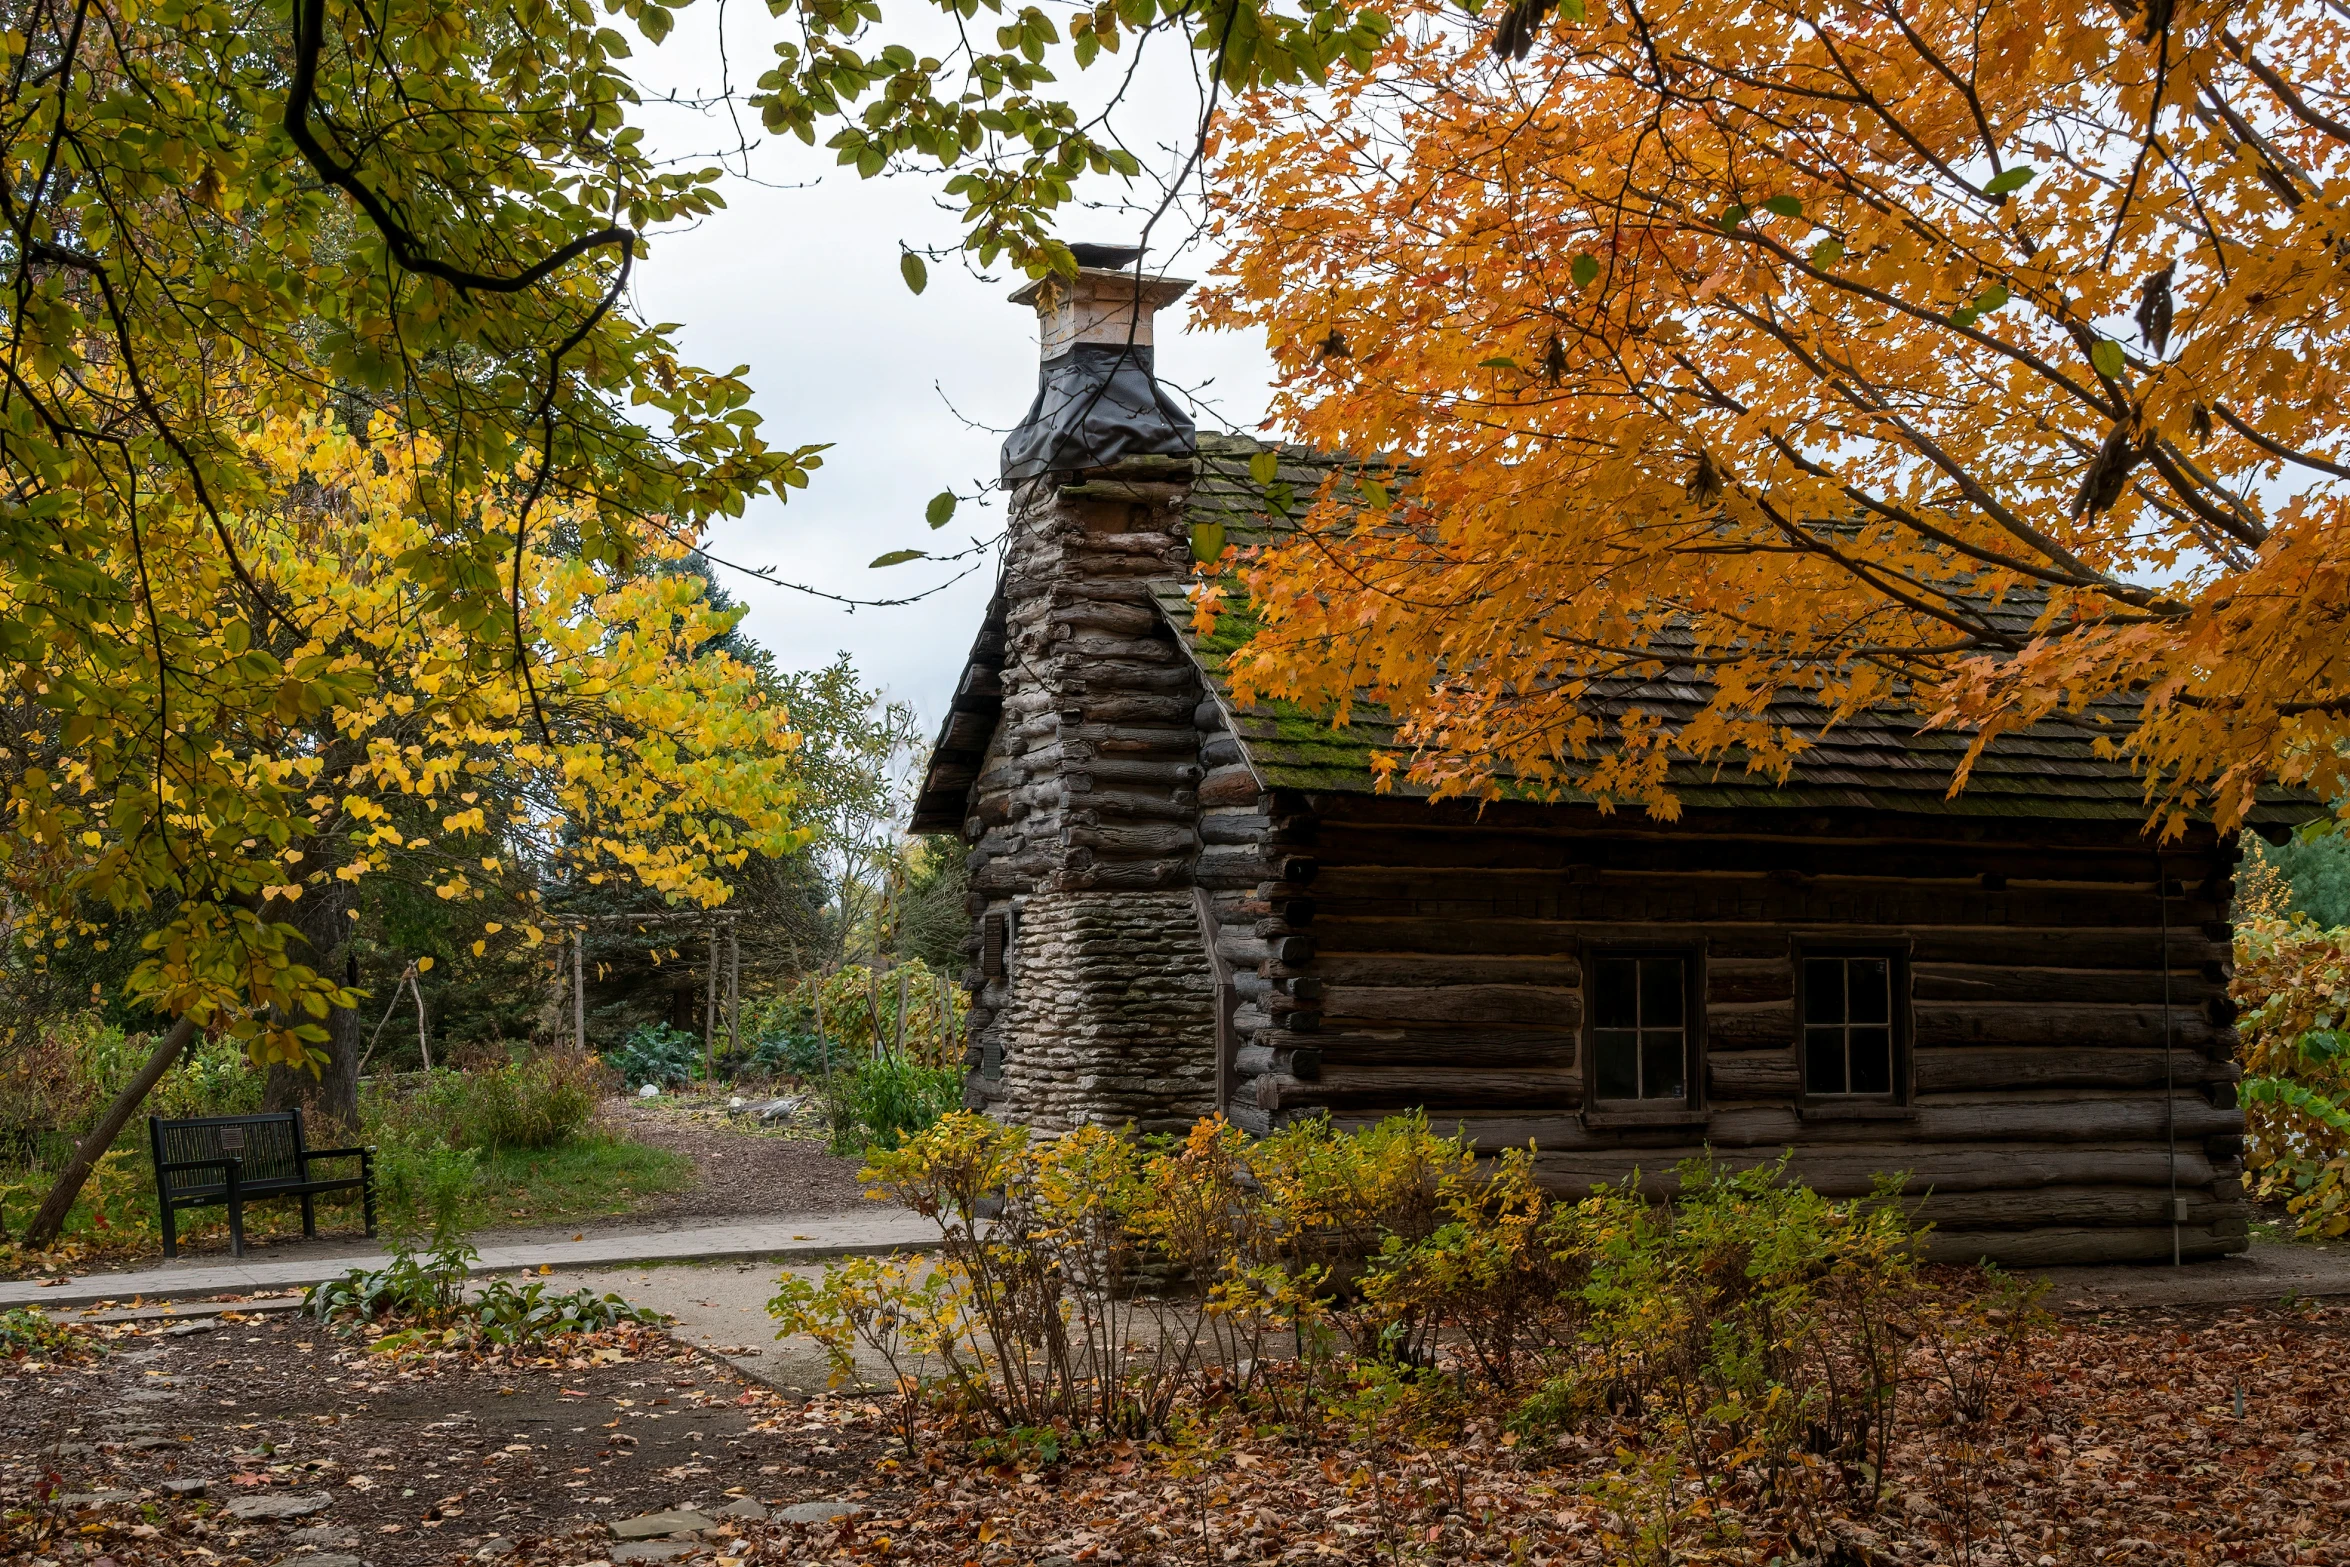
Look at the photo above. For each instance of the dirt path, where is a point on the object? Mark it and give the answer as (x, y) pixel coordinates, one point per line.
(739, 1172)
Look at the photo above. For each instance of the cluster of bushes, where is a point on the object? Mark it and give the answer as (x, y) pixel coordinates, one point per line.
(1387, 1278)
(872, 1093)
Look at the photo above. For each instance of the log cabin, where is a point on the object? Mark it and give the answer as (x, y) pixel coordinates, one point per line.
(1182, 906)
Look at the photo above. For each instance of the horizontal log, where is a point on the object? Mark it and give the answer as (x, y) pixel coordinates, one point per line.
(1112, 739)
(1459, 1049)
(1101, 770)
(1399, 1088)
(1755, 1026)
(1102, 615)
(1092, 645)
(1219, 750)
(1487, 936)
(1977, 1069)
(1229, 785)
(1234, 827)
(2101, 1206)
(2065, 1247)
(1136, 838)
(1413, 968)
(1884, 907)
(1303, 1062)
(1127, 708)
(1476, 1004)
(2103, 987)
(1160, 670)
(1092, 807)
(1734, 981)
(1233, 866)
(1080, 871)
(1752, 1074)
(2087, 1115)
(2052, 1024)
(1854, 1170)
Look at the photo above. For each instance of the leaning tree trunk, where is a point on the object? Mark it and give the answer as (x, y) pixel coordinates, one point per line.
(49, 1223)
(332, 1091)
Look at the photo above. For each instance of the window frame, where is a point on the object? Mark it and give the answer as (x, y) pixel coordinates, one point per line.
(1690, 1108)
(1898, 1102)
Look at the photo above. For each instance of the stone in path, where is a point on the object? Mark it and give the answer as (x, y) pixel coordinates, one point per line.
(680, 1520)
(185, 1487)
(819, 1512)
(655, 1550)
(323, 1534)
(94, 1498)
(292, 1504)
(322, 1559)
(744, 1507)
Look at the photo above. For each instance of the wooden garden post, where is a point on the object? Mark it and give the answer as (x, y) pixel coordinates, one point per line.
(710, 1012)
(579, 988)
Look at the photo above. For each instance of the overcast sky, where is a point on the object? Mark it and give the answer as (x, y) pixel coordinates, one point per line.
(802, 285)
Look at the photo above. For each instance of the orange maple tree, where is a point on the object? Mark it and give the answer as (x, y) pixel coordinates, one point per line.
(1830, 334)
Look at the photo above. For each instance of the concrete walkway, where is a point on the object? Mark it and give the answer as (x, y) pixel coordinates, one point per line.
(805, 1238)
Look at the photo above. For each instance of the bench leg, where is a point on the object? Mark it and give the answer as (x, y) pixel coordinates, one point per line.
(236, 1212)
(171, 1232)
(367, 1193)
(309, 1219)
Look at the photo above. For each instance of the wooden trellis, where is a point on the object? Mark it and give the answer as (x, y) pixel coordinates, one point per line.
(725, 949)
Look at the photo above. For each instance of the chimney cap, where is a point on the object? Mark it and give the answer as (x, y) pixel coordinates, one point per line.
(1088, 254)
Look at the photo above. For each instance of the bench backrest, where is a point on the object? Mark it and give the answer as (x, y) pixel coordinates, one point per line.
(268, 1145)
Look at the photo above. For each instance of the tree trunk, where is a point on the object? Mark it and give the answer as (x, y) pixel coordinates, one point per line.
(332, 1092)
(42, 1233)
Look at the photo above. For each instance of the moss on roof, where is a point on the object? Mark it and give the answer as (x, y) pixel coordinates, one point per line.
(1875, 760)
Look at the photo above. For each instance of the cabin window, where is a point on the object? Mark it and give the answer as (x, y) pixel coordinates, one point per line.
(1851, 1043)
(1640, 1033)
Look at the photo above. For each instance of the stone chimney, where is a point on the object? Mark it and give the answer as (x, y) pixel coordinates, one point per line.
(1097, 402)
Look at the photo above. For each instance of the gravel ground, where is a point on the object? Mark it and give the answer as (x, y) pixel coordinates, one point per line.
(739, 1173)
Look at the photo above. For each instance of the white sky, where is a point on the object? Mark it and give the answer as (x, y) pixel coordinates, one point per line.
(802, 285)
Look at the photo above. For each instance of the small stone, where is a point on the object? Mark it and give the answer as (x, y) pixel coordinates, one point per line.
(290, 1504)
(147, 1444)
(680, 1520)
(744, 1507)
(321, 1559)
(324, 1534)
(1056, 1561)
(146, 1395)
(649, 1091)
(72, 1450)
(185, 1487)
(94, 1498)
(819, 1512)
(493, 1548)
(184, 1329)
(655, 1550)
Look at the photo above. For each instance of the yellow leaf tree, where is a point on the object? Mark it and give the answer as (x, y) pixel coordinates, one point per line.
(1816, 330)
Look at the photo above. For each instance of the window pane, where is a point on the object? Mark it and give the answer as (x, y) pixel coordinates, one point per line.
(1661, 992)
(1612, 992)
(1823, 990)
(1615, 1063)
(1872, 1060)
(1661, 1058)
(1823, 1059)
(1870, 984)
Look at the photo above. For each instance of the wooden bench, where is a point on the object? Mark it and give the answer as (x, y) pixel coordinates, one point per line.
(233, 1159)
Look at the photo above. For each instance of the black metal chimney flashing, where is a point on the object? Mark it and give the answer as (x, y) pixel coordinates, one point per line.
(1097, 401)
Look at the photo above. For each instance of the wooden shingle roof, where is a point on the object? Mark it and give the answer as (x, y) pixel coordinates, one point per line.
(1877, 760)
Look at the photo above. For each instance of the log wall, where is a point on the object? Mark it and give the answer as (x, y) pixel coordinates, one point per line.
(1416, 955)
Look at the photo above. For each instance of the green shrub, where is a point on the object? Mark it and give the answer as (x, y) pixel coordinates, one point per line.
(881, 1100)
(1753, 1332)
(658, 1054)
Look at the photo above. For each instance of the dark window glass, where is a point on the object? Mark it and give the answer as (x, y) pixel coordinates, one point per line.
(1615, 1001)
(1639, 1030)
(1848, 1025)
